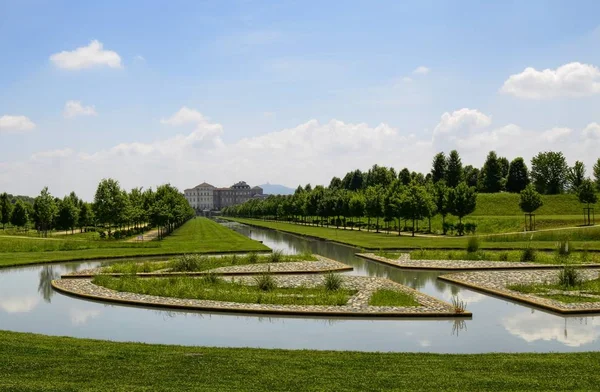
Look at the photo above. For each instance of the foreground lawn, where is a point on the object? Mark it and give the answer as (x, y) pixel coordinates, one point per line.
(377, 241)
(31, 362)
(198, 235)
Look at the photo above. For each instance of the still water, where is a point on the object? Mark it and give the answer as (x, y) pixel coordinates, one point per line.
(28, 304)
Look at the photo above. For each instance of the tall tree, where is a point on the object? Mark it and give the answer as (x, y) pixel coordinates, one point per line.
(575, 176)
(45, 210)
(518, 176)
(471, 175)
(19, 216)
(374, 204)
(530, 200)
(586, 193)
(441, 199)
(439, 167)
(108, 203)
(462, 200)
(68, 213)
(454, 169)
(86, 215)
(6, 209)
(357, 206)
(404, 176)
(549, 172)
(491, 174)
(597, 174)
(416, 203)
(504, 166)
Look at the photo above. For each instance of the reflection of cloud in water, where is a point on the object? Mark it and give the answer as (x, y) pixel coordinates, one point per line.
(19, 304)
(531, 327)
(469, 297)
(81, 317)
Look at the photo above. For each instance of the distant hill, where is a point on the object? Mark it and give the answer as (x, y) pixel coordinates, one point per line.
(275, 189)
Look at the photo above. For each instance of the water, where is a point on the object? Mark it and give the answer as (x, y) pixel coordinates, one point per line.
(28, 304)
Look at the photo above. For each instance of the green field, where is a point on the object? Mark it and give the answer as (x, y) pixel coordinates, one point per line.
(31, 362)
(377, 241)
(198, 235)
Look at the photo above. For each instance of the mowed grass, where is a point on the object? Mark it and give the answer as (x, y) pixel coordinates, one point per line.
(379, 241)
(542, 257)
(217, 289)
(386, 297)
(543, 289)
(198, 235)
(30, 362)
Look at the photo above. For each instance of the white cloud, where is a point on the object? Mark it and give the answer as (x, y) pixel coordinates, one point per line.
(569, 80)
(406, 79)
(592, 131)
(15, 124)
(75, 108)
(184, 116)
(86, 57)
(460, 120)
(421, 70)
(552, 135)
(19, 304)
(66, 152)
(81, 317)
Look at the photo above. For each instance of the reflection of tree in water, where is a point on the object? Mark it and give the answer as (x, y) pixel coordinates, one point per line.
(457, 326)
(47, 275)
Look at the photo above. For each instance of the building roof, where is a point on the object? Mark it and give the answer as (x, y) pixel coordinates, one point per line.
(204, 184)
(256, 187)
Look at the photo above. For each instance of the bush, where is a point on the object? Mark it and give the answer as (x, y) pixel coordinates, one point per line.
(528, 254)
(211, 277)
(102, 234)
(265, 282)
(564, 248)
(333, 282)
(503, 256)
(473, 245)
(569, 277)
(447, 227)
(470, 228)
(186, 263)
(276, 256)
(252, 258)
(460, 228)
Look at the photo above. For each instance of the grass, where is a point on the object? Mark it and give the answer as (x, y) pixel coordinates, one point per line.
(198, 263)
(386, 297)
(382, 241)
(567, 280)
(198, 235)
(542, 257)
(30, 362)
(229, 291)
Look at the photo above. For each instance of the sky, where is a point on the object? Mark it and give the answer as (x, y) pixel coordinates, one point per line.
(287, 92)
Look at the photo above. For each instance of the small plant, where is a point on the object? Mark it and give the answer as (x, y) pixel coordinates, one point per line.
(585, 255)
(252, 258)
(528, 254)
(234, 260)
(564, 248)
(503, 256)
(186, 263)
(265, 281)
(211, 277)
(459, 305)
(473, 245)
(333, 282)
(569, 277)
(276, 256)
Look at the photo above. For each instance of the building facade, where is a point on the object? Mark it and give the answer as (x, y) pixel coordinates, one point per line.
(205, 197)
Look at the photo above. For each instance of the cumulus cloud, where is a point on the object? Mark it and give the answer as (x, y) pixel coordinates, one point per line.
(51, 154)
(93, 55)
(15, 124)
(421, 70)
(592, 131)
(19, 304)
(461, 120)
(569, 80)
(75, 108)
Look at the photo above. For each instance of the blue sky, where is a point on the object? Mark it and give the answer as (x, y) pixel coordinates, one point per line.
(287, 92)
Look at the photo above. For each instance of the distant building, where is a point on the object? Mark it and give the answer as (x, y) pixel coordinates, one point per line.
(205, 197)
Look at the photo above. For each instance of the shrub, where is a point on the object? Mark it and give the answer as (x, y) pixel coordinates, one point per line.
(265, 282)
(447, 227)
(470, 228)
(333, 282)
(459, 305)
(564, 248)
(503, 256)
(234, 259)
(102, 234)
(473, 245)
(186, 263)
(211, 277)
(276, 256)
(569, 277)
(252, 258)
(460, 228)
(528, 254)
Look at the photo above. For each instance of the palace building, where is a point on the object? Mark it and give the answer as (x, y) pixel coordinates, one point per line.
(205, 197)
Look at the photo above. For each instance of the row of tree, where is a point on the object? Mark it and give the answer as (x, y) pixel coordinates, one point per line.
(549, 173)
(113, 207)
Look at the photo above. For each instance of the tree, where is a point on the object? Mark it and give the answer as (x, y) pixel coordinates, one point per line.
(357, 206)
(504, 166)
(335, 183)
(68, 214)
(404, 176)
(416, 203)
(5, 209)
(86, 215)
(353, 181)
(530, 201)
(492, 174)
(454, 171)
(518, 176)
(440, 198)
(597, 174)
(45, 210)
(374, 204)
(108, 203)
(575, 176)
(19, 214)
(379, 175)
(471, 175)
(548, 172)
(439, 167)
(462, 200)
(586, 193)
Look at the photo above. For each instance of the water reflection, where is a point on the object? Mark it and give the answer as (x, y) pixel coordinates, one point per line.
(47, 275)
(19, 304)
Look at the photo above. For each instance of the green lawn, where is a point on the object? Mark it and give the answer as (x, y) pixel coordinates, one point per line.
(377, 241)
(198, 235)
(31, 362)
(386, 297)
(542, 257)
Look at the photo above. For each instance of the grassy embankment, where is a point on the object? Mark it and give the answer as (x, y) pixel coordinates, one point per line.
(585, 238)
(31, 362)
(198, 235)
